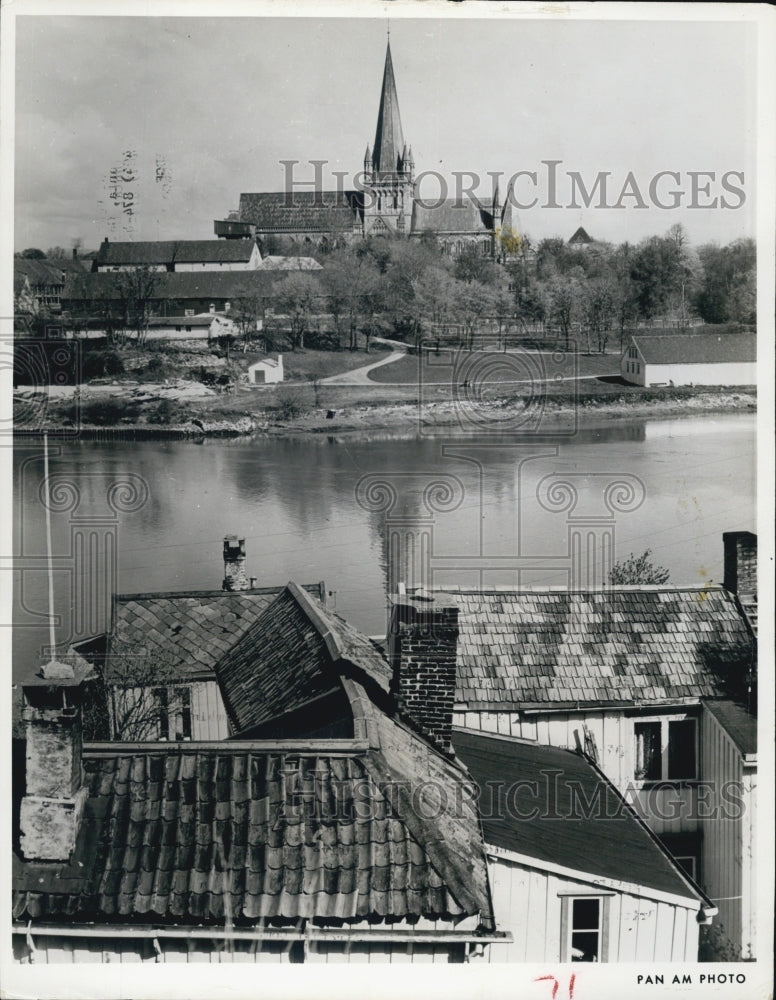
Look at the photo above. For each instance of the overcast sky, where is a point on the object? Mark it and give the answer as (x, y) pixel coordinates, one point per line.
(213, 105)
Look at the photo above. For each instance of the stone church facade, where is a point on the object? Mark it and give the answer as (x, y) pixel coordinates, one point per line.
(387, 205)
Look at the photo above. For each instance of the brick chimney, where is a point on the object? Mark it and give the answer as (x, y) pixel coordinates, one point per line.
(422, 646)
(740, 563)
(235, 576)
(51, 808)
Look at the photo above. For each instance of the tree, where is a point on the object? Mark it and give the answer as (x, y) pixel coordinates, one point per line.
(564, 294)
(56, 253)
(136, 287)
(32, 253)
(727, 283)
(637, 571)
(298, 297)
(598, 308)
(353, 285)
(434, 301)
(137, 694)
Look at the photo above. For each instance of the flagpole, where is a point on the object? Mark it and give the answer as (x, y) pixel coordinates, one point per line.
(50, 562)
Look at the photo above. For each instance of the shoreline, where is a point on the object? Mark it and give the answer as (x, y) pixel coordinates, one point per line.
(404, 417)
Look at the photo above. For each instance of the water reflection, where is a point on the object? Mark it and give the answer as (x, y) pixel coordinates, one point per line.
(295, 502)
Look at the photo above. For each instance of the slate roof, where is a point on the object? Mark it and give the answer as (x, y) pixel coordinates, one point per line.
(738, 723)
(105, 286)
(302, 211)
(219, 835)
(630, 645)
(189, 631)
(170, 252)
(389, 138)
(702, 348)
(453, 215)
(290, 655)
(518, 779)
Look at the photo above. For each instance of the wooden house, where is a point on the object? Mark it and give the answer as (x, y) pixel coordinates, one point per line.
(696, 359)
(339, 823)
(576, 875)
(637, 678)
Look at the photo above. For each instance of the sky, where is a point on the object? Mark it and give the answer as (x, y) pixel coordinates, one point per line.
(208, 107)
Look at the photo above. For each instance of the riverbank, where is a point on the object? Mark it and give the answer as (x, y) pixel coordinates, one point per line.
(303, 410)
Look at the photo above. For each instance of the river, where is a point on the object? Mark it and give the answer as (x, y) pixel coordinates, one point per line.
(309, 510)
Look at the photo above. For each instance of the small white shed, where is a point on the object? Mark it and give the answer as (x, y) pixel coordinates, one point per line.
(266, 371)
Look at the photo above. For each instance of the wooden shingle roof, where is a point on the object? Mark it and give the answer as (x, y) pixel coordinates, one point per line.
(290, 655)
(629, 645)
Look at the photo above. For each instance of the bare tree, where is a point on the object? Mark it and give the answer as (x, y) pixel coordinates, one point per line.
(637, 571)
(145, 697)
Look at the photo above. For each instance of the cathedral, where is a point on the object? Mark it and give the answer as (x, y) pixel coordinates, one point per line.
(387, 205)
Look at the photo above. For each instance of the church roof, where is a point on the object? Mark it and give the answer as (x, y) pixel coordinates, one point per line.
(302, 211)
(453, 215)
(580, 236)
(389, 138)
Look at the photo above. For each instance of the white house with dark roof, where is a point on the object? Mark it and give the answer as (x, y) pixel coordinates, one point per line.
(177, 255)
(576, 875)
(648, 682)
(694, 359)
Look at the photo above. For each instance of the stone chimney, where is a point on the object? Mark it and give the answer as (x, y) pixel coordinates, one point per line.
(235, 576)
(740, 563)
(422, 646)
(51, 808)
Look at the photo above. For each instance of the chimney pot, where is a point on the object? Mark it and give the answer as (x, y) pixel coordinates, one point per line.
(235, 576)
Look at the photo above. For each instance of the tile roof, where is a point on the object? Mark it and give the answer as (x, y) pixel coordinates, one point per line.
(580, 236)
(704, 348)
(219, 835)
(307, 211)
(174, 251)
(551, 786)
(620, 646)
(451, 216)
(738, 723)
(189, 631)
(106, 286)
(292, 653)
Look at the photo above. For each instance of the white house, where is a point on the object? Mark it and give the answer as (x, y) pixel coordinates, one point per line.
(697, 359)
(178, 255)
(266, 371)
(656, 684)
(575, 875)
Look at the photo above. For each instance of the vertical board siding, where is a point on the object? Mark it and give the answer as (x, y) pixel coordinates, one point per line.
(529, 903)
(728, 841)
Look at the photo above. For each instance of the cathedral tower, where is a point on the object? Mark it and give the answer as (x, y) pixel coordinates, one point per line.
(389, 168)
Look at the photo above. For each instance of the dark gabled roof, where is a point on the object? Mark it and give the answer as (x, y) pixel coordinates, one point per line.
(302, 211)
(580, 236)
(453, 215)
(293, 653)
(189, 631)
(221, 835)
(179, 285)
(170, 252)
(602, 839)
(629, 645)
(44, 272)
(702, 348)
(738, 723)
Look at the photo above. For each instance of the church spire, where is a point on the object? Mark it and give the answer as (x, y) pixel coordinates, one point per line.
(389, 138)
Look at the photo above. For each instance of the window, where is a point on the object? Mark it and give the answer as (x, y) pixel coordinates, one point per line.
(665, 750)
(173, 713)
(584, 928)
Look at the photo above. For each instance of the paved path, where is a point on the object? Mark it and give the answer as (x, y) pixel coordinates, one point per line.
(360, 376)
